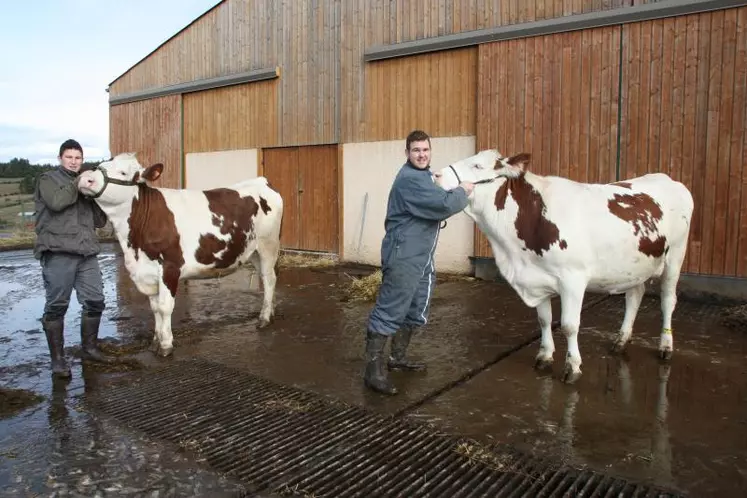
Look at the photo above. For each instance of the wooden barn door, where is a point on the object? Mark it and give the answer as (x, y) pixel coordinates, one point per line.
(306, 178)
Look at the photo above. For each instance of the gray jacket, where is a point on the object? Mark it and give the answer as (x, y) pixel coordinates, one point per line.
(415, 210)
(65, 220)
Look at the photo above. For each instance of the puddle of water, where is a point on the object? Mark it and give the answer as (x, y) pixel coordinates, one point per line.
(681, 425)
(57, 450)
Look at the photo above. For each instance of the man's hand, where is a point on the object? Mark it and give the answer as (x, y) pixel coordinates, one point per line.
(468, 187)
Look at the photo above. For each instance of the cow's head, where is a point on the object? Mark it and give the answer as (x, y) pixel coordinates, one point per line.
(483, 167)
(112, 181)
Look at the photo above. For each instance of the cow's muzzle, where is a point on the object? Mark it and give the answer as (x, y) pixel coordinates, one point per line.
(107, 181)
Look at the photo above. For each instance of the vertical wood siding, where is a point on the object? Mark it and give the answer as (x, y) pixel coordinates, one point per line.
(434, 92)
(683, 113)
(368, 23)
(319, 45)
(299, 36)
(555, 97)
(235, 117)
(152, 129)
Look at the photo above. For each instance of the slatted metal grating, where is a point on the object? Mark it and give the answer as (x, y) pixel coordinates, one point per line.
(279, 439)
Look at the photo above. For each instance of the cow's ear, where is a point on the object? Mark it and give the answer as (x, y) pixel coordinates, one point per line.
(519, 160)
(153, 172)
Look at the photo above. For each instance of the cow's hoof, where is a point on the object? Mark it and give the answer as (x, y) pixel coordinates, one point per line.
(165, 352)
(570, 377)
(543, 364)
(618, 347)
(665, 354)
(263, 322)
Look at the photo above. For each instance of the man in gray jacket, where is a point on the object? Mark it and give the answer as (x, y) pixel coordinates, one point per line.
(415, 210)
(66, 246)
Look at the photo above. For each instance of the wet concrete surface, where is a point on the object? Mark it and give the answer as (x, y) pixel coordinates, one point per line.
(682, 424)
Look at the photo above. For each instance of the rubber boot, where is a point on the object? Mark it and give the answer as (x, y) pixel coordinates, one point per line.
(54, 330)
(398, 359)
(89, 335)
(376, 376)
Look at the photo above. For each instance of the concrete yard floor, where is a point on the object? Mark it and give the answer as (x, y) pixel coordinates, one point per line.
(681, 424)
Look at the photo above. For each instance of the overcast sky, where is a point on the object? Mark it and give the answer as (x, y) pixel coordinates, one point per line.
(57, 58)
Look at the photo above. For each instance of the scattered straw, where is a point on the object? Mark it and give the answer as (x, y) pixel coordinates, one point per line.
(287, 260)
(364, 288)
(290, 405)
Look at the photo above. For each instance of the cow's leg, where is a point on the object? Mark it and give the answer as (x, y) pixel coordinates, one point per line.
(547, 346)
(264, 260)
(162, 305)
(633, 299)
(166, 307)
(158, 319)
(571, 300)
(668, 289)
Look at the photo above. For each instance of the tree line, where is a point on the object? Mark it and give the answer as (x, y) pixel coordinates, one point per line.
(28, 173)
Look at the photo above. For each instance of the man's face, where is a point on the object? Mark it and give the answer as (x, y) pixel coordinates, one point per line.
(71, 160)
(420, 154)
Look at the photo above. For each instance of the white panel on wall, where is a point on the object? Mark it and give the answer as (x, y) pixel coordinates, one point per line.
(368, 171)
(206, 170)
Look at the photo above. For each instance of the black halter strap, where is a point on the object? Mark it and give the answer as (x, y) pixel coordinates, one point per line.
(107, 181)
(478, 182)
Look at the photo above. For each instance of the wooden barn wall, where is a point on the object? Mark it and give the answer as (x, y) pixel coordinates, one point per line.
(152, 129)
(435, 92)
(683, 113)
(682, 110)
(299, 36)
(319, 45)
(230, 118)
(367, 23)
(553, 96)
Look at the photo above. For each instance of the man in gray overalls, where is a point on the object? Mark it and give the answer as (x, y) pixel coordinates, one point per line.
(67, 248)
(415, 210)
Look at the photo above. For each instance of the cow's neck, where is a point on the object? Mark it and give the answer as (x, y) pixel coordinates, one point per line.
(119, 216)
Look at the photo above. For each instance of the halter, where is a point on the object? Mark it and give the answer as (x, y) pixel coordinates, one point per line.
(478, 182)
(107, 181)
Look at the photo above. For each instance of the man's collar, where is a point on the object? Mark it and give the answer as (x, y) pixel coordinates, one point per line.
(427, 168)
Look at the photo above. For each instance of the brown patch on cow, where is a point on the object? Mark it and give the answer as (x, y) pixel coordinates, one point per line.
(537, 232)
(655, 248)
(641, 211)
(234, 215)
(264, 205)
(153, 232)
(627, 185)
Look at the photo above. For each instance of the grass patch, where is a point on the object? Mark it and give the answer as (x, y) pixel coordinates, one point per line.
(18, 238)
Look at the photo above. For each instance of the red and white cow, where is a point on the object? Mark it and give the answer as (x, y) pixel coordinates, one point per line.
(168, 235)
(552, 236)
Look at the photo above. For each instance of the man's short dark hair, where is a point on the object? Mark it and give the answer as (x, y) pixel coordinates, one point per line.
(70, 144)
(417, 136)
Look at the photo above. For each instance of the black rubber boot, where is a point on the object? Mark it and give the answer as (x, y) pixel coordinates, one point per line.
(89, 335)
(54, 330)
(398, 359)
(376, 376)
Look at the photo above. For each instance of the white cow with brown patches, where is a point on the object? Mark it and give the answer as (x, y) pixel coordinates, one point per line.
(551, 236)
(168, 235)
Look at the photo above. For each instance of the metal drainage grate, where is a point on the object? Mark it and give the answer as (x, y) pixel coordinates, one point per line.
(278, 438)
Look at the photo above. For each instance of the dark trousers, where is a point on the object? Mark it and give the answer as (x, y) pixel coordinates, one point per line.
(404, 298)
(63, 272)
